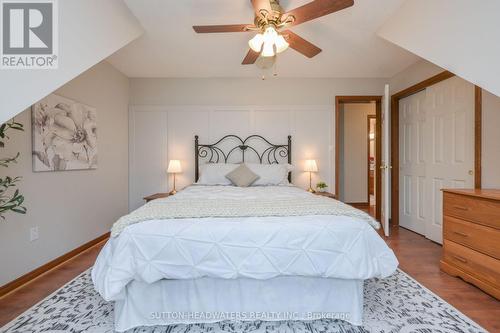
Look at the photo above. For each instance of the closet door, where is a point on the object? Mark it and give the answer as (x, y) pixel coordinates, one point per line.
(450, 142)
(412, 173)
(436, 151)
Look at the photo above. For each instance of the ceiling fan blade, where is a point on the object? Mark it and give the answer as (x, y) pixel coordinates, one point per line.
(301, 45)
(316, 9)
(251, 57)
(206, 29)
(261, 4)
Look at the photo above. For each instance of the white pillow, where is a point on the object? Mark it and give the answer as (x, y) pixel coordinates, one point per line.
(270, 174)
(215, 173)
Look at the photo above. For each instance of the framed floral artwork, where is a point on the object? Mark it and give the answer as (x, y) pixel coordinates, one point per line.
(64, 135)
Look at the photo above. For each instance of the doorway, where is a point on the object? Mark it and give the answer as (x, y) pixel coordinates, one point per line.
(358, 151)
(372, 155)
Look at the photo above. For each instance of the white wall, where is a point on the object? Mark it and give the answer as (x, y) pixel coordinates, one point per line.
(70, 207)
(491, 118)
(355, 151)
(454, 34)
(491, 141)
(279, 91)
(89, 31)
(415, 73)
(159, 134)
(167, 113)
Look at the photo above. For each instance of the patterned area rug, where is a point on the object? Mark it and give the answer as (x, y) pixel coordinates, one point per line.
(396, 304)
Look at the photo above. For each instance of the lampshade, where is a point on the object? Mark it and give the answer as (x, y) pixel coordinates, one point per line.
(174, 166)
(256, 43)
(269, 43)
(311, 166)
(281, 44)
(268, 50)
(270, 35)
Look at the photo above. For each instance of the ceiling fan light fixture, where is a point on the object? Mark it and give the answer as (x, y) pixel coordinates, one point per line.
(270, 18)
(268, 50)
(270, 34)
(270, 42)
(256, 42)
(281, 44)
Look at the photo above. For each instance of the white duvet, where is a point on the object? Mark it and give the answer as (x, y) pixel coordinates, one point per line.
(251, 247)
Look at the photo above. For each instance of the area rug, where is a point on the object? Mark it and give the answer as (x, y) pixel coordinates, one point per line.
(395, 304)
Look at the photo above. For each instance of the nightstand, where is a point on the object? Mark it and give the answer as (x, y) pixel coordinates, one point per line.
(156, 196)
(326, 194)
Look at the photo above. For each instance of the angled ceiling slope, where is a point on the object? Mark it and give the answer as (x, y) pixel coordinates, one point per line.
(89, 31)
(171, 48)
(458, 35)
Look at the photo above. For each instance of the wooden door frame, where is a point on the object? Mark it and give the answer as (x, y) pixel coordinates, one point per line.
(378, 131)
(368, 119)
(394, 129)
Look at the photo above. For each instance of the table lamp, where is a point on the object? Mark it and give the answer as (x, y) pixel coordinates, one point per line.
(310, 167)
(174, 166)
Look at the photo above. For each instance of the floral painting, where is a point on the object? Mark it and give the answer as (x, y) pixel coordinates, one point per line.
(64, 135)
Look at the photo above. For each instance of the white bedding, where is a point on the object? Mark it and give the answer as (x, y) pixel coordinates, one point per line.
(206, 300)
(251, 247)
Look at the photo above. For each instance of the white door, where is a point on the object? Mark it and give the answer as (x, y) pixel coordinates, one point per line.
(412, 162)
(436, 152)
(384, 164)
(450, 139)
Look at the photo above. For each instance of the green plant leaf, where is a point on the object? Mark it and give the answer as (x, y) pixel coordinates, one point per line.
(10, 201)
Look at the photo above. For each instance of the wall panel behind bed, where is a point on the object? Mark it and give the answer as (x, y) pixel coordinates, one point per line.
(160, 133)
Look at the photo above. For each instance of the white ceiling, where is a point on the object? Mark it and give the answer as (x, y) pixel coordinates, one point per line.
(452, 44)
(170, 47)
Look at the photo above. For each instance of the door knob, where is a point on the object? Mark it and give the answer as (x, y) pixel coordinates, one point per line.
(471, 172)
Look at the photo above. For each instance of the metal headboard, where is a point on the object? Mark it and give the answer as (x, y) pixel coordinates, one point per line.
(271, 154)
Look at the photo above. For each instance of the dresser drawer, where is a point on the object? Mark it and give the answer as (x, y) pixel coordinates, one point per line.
(477, 264)
(483, 211)
(475, 236)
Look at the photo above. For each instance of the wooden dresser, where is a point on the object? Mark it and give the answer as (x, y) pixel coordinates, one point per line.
(471, 237)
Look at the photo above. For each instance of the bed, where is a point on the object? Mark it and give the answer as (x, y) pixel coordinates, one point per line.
(216, 252)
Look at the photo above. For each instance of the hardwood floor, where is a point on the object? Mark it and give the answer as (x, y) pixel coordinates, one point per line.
(417, 256)
(19, 300)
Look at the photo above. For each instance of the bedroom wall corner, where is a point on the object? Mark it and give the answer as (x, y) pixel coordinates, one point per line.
(70, 208)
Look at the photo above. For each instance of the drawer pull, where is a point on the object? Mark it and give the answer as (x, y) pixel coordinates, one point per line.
(460, 208)
(460, 233)
(460, 259)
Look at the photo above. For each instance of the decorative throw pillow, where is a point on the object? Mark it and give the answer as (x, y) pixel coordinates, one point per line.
(242, 176)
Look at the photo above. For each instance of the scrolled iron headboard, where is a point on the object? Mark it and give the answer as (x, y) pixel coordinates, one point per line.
(271, 154)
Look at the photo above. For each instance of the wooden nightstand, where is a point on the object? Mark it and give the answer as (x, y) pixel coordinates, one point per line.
(156, 196)
(326, 194)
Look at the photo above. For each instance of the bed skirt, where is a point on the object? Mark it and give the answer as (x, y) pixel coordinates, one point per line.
(208, 300)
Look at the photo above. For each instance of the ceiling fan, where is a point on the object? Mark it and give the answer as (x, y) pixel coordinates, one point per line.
(271, 23)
